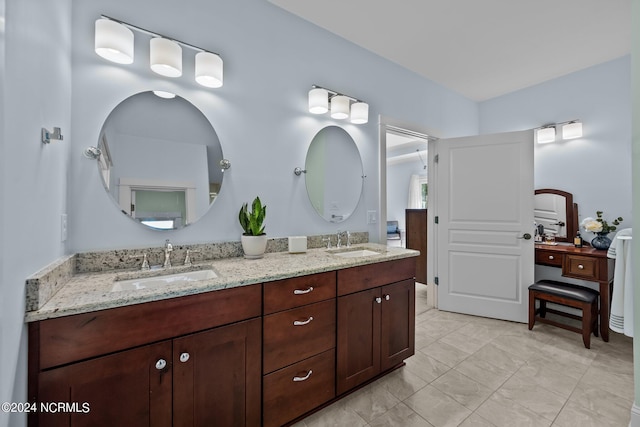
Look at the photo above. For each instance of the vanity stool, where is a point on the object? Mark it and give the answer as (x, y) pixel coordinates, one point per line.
(568, 295)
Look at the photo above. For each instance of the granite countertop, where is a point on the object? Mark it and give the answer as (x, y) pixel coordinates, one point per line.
(87, 292)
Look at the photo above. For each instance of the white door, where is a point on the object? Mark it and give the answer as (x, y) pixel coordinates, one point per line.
(484, 204)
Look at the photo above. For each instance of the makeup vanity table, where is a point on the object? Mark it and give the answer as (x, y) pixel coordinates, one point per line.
(584, 263)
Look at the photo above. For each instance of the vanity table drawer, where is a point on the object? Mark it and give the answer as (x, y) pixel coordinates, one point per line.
(580, 267)
(551, 258)
(296, 334)
(297, 389)
(298, 291)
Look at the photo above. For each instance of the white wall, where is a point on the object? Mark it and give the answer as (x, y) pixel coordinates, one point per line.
(36, 94)
(260, 114)
(595, 168)
(398, 177)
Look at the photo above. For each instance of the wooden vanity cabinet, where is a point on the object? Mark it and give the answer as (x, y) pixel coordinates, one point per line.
(376, 320)
(299, 339)
(205, 370)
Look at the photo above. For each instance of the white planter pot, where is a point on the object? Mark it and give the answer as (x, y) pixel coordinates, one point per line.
(254, 246)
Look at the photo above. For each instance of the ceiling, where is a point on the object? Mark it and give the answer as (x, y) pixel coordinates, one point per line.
(480, 49)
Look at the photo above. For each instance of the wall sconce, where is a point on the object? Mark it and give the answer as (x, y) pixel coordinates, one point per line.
(322, 100)
(570, 130)
(114, 42)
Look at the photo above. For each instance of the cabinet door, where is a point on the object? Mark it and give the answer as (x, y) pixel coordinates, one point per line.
(122, 389)
(398, 323)
(358, 346)
(217, 376)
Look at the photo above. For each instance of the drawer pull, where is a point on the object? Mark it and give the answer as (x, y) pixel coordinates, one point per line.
(580, 267)
(303, 291)
(161, 364)
(387, 297)
(303, 322)
(379, 300)
(551, 257)
(184, 357)
(306, 377)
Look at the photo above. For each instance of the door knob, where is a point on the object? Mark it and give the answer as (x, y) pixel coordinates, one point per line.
(525, 236)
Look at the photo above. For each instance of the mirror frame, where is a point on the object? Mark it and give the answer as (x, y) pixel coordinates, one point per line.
(572, 212)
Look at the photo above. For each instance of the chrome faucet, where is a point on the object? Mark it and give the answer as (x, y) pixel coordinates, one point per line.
(348, 239)
(339, 234)
(168, 248)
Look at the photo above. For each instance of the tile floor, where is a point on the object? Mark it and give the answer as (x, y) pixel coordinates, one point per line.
(472, 371)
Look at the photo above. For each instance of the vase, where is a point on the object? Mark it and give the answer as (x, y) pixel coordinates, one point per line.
(254, 246)
(601, 241)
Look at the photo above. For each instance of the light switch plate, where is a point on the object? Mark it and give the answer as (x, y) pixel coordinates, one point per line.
(63, 227)
(372, 217)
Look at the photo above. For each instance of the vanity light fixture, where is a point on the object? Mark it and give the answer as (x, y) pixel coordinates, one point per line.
(322, 100)
(572, 130)
(546, 134)
(114, 41)
(164, 94)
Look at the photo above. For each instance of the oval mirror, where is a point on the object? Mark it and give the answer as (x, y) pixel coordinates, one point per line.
(334, 174)
(159, 160)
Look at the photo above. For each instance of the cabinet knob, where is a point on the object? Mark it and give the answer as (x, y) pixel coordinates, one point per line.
(387, 297)
(379, 300)
(306, 377)
(184, 357)
(303, 291)
(303, 322)
(580, 267)
(551, 257)
(161, 364)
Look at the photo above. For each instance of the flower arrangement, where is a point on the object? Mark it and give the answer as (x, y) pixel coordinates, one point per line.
(599, 225)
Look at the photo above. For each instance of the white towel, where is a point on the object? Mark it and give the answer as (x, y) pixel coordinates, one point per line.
(621, 319)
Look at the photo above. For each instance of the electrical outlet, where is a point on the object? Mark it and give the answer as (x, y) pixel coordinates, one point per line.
(372, 217)
(63, 227)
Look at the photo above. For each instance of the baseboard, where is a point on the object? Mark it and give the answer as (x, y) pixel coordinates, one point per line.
(635, 416)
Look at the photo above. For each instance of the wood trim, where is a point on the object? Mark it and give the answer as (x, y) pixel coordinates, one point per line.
(370, 276)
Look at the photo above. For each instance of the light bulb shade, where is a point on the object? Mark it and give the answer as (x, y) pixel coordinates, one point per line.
(113, 41)
(546, 135)
(209, 69)
(165, 57)
(318, 101)
(164, 94)
(339, 107)
(572, 130)
(359, 113)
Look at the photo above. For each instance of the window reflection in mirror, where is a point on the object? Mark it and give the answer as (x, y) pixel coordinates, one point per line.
(159, 160)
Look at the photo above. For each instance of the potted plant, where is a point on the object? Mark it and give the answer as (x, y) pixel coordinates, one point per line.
(254, 239)
(601, 228)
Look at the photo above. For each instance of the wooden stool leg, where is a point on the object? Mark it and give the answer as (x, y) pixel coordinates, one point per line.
(532, 309)
(594, 315)
(587, 324)
(543, 308)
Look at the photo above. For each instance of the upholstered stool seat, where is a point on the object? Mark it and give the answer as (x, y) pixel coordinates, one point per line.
(568, 295)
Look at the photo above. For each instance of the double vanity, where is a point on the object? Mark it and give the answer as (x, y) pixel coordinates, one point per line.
(230, 342)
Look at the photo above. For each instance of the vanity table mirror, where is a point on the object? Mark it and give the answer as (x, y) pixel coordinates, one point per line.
(333, 174)
(557, 213)
(160, 160)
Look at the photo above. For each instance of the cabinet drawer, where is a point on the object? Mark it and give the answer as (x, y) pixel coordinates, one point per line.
(297, 389)
(297, 291)
(369, 276)
(285, 343)
(551, 258)
(580, 267)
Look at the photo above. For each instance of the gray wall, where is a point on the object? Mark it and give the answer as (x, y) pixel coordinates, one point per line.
(33, 193)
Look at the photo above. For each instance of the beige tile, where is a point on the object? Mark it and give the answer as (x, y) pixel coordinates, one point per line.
(562, 361)
(475, 420)
(538, 399)
(603, 379)
(523, 347)
(492, 354)
(402, 383)
(437, 326)
(483, 331)
(445, 353)
(463, 389)
(545, 374)
(437, 408)
(503, 412)
(483, 372)
(463, 342)
(423, 339)
(573, 415)
(371, 401)
(425, 367)
(400, 416)
(603, 403)
(614, 362)
(336, 415)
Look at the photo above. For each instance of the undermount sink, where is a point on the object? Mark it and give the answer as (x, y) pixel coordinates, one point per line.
(356, 253)
(160, 281)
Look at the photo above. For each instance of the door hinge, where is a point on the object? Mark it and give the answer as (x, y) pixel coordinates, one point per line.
(436, 158)
(435, 280)
(436, 219)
